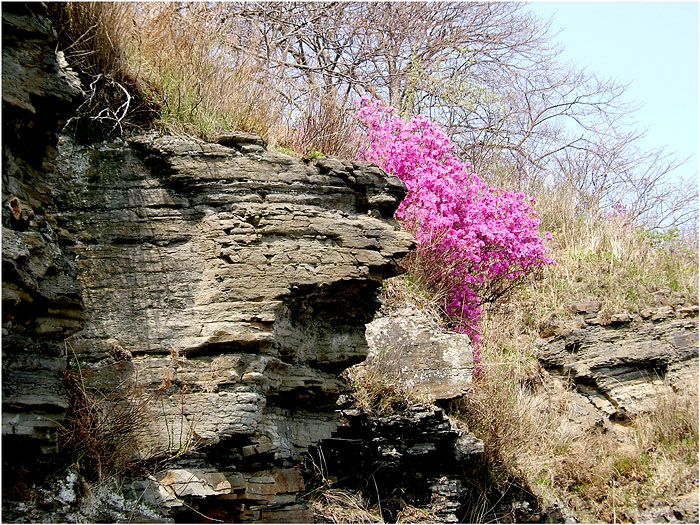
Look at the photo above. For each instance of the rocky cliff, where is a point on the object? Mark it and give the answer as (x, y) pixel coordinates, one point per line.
(237, 281)
(621, 367)
(180, 305)
(40, 291)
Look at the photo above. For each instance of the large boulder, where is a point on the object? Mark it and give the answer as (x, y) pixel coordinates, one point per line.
(411, 349)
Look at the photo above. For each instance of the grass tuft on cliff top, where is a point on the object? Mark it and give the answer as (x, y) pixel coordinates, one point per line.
(161, 55)
(181, 68)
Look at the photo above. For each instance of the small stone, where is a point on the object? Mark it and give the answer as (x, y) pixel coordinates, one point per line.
(646, 313)
(238, 139)
(350, 412)
(662, 313)
(620, 318)
(589, 306)
(598, 320)
(687, 311)
(252, 148)
(119, 354)
(557, 329)
(254, 377)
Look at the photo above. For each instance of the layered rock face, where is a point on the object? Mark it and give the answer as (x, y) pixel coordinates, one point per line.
(226, 286)
(257, 271)
(40, 292)
(624, 368)
(211, 291)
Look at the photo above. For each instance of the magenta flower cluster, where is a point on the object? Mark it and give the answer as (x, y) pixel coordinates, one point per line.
(478, 241)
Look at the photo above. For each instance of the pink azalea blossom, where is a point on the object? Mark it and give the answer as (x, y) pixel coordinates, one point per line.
(474, 237)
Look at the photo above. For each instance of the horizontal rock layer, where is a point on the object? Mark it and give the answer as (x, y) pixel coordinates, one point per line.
(623, 370)
(224, 289)
(41, 301)
(255, 273)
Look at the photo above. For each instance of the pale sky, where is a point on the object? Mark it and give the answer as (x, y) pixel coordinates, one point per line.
(653, 46)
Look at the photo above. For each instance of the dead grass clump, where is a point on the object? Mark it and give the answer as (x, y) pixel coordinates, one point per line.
(411, 514)
(611, 478)
(100, 431)
(96, 39)
(341, 506)
(325, 126)
(376, 394)
(189, 67)
(411, 290)
(206, 71)
(115, 423)
(379, 386)
(99, 33)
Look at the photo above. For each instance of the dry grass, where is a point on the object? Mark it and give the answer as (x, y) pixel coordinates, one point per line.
(411, 514)
(341, 506)
(112, 417)
(611, 478)
(326, 126)
(93, 37)
(179, 59)
(188, 69)
(608, 258)
(99, 435)
(524, 417)
(204, 81)
(411, 289)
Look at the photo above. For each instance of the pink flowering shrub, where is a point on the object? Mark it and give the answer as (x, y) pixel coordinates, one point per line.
(475, 242)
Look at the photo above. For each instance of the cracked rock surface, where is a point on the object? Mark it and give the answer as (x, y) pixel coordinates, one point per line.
(623, 370)
(236, 283)
(255, 273)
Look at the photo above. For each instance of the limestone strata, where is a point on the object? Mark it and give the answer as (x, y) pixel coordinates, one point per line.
(624, 370)
(273, 495)
(226, 287)
(40, 292)
(203, 248)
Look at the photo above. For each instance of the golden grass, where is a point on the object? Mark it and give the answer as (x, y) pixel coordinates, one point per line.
(524, 417)
(190, 69)
(177, 58)
(341, 506)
